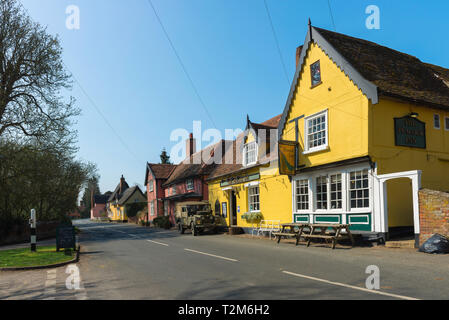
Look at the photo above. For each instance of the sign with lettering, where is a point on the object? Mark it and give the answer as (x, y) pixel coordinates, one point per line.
(410, 132)
(240, 179)
(287, 157)
(65, 237)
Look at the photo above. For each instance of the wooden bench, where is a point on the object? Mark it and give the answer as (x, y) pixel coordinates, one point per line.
(322, 227)
(296, 230)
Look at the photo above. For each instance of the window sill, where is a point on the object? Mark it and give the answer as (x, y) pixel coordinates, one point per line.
(318, 149)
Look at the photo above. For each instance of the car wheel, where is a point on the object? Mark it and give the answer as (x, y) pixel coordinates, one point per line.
(180, 228)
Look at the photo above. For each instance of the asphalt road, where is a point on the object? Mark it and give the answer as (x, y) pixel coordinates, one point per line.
(121, 261)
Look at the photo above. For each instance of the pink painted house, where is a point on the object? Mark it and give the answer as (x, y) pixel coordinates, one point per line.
(156, 175)
(98, 206)
(187, 182)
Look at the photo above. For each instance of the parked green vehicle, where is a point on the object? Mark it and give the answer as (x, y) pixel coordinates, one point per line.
(196, 216)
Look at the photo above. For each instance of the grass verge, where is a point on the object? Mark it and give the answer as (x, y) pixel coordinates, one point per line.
(23, 257)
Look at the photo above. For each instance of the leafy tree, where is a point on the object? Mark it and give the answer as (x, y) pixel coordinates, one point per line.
(92, 188)
(32, 78)
(165, 158)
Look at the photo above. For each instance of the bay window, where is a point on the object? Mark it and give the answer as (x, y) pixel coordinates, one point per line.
(347, 190)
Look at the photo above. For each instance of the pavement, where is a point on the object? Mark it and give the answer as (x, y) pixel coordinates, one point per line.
(124, 261)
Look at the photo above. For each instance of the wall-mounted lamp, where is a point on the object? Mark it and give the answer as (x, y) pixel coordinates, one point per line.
(414, 115)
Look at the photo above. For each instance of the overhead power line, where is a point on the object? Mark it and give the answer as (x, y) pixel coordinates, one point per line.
(277, 42)
(332, 16)
(181, 63)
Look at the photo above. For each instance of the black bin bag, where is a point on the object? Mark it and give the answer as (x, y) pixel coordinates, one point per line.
(435, 244)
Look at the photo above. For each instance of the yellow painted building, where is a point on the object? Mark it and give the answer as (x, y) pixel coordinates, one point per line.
(372, 127)
(122, 196)
(251, 183)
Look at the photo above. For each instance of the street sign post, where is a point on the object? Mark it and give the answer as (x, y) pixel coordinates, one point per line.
(33, 230)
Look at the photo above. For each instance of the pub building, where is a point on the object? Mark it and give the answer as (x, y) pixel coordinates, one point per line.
(367, 127)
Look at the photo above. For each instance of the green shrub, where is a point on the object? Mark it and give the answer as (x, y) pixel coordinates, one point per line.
(252, 217)
(162, 222)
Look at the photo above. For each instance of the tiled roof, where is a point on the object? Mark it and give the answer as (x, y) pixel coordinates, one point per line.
(199, 164)
(229, 167)
(396, 74)
(128, 193)
(117, 194)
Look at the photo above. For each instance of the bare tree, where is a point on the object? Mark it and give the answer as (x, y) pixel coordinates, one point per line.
(32, 79)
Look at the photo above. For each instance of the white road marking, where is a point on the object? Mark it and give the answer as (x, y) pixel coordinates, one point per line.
(162, 244)
(350, 286)
(211, 255)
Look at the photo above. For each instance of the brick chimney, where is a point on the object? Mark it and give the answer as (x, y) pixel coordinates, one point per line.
(298, 54)
(122, 182)
(190, 146)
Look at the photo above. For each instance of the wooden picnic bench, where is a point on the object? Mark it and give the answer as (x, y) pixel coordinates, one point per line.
(315, 231)
(294, 230)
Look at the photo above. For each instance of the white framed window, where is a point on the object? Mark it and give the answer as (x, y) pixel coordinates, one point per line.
(343, 190)
(253, 199)
(359, 189)
(151, 186)
(436, 121)
(165, 208)
(250, 153)
(446, 123)
(173, 190)
(302, 194)
(336, 201)
(316, 132)
(152, 208)
(321, 193)
(189, 184)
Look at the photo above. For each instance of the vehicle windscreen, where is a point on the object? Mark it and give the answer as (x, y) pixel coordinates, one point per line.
(198, 209)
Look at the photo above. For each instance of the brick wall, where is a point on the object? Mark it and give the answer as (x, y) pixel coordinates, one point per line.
(433, 213)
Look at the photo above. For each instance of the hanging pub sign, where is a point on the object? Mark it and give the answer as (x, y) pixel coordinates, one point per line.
(287, 157)
(410, 132)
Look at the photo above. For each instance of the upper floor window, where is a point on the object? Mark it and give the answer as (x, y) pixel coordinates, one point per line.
(151, 186)
(189, 184)
(173, 190)
(436, 121)
(315, 72)
(316, 128)
(250, 153)
(446, 123)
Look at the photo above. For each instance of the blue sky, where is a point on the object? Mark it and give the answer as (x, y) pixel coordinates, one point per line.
(125, 64)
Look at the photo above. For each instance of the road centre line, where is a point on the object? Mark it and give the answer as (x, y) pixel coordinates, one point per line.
(162, 244)
(350, 286)
(211, 255)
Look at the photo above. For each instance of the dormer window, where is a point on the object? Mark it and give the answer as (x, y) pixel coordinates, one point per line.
(250, 153)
